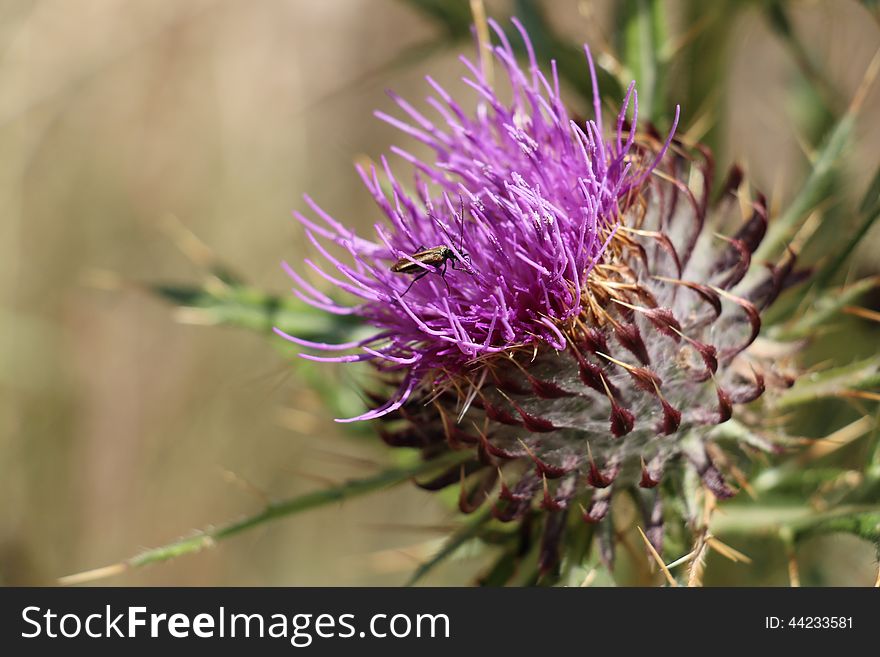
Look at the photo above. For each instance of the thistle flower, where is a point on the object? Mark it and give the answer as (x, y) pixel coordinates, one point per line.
(572, 302)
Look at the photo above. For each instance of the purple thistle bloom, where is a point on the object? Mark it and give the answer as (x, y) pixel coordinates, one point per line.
(524, 201)
(554, 299)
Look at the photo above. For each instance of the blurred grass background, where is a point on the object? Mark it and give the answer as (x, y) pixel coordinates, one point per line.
(120, 428)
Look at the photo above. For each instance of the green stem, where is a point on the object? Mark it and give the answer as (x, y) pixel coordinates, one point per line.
(275, 510)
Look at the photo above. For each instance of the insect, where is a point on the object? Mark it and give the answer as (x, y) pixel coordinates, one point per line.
(438, 257)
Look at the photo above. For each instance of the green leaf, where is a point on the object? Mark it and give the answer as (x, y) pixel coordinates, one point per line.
(868, 489)
(455, 18)
(869, 210)
(642, 29)
(814, 191)
(864, 525)
(834, 382)
(778, 18)
(792, 481)
(873, 6)
(209, 536)
(570, 59)
(246, 307)
(756, 519)
(703, 64)
(470, 529)
(217, 304)
(502, 570)
(825, 308)
(736, 433)
(453, 15)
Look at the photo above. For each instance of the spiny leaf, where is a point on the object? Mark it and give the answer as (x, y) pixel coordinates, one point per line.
(864, 525)
(873, 6)
(704, 62)
(276, 510)
(736, 433)
(756, 519)
(453, 15)
(569, 57)
(835, 382)
(869, 210)
(642, 29)
(501, 571)
(825, 308)
(825, 241)
(814, 191)
(455, 18)
(867, 490)
(247, 307)
(791, 482)
(470, 529)
(778, 18)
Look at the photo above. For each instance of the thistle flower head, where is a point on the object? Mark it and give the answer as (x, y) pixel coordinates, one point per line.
(515, 211)
(564, 298)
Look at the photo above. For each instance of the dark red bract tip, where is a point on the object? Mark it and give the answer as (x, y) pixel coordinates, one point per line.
(622, 420)
(630, 338)
(500, 415)
(547, 389)
(665, 322)
(671, 418)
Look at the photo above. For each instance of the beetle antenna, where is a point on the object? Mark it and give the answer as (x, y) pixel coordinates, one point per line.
(440, 223)
(461, 235)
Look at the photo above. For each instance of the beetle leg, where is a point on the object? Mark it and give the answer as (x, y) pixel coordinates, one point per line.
(443, 276)
(413, 282)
